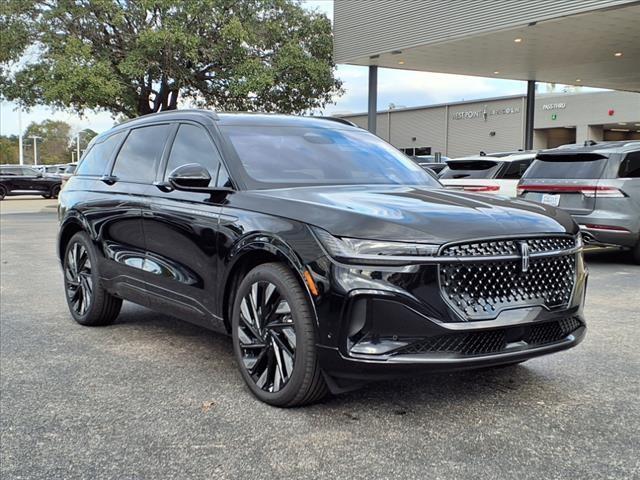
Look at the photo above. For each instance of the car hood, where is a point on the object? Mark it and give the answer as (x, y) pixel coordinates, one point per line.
(405, 213)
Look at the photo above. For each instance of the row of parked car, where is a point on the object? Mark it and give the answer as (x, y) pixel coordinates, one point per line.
(597, 183)
(45, 180)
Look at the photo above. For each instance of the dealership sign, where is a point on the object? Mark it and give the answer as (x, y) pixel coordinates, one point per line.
(554, 106)
(485, 113)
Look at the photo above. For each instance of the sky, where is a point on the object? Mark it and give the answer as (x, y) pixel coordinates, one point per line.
(403, 88)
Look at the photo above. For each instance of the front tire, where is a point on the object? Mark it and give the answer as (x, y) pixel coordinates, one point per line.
(3, 192)
(274, 338)
(54, 192)
(89, 303)
(635, 253)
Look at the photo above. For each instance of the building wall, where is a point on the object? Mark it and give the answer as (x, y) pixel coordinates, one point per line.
(493, 125)
(586, 109)
(374, 27)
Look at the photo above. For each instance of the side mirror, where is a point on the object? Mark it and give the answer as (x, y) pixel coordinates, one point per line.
(190, 177)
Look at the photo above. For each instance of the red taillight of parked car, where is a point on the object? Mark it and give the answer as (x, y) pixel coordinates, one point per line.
(586, 190)
(481, 188)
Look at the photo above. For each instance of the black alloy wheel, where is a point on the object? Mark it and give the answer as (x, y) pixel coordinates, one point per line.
(267, 336)
(88, 302)
(78, 278)
(274, 338)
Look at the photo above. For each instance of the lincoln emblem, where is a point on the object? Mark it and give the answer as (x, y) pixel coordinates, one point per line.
(524, 251)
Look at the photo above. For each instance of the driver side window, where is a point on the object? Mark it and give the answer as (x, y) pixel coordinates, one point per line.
(193, 145)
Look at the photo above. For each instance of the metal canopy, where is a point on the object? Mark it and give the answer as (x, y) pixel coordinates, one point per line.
(599, 48)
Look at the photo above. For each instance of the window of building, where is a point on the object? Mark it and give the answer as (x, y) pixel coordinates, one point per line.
(193, 145)
(139, 156)
(96, 159)
(421, 151)
(630, 167)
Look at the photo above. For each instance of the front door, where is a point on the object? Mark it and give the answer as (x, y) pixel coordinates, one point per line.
(181, 234)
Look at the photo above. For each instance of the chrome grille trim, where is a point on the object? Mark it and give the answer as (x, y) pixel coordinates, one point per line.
(479, 289)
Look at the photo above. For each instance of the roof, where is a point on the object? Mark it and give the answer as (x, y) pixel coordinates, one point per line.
(239, 118)
(597, 147)
(508, 158)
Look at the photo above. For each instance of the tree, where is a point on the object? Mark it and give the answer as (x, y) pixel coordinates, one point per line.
(8, 149)
(54, 142)
(139, 57)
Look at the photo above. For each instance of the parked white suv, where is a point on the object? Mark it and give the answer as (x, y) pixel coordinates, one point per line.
(487, 173)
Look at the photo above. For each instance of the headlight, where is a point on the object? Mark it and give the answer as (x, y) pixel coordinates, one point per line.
(375, 252)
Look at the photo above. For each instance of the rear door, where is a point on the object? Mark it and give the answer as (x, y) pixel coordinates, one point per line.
(27, 179)
(565, 180)
(117, 213)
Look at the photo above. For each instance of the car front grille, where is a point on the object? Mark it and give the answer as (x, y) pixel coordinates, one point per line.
(480, 290)
(494, 341)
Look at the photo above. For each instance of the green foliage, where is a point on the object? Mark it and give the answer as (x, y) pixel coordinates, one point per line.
(54, 143)
(9, 149)
(134, 58)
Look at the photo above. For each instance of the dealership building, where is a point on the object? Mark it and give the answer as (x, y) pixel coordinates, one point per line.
(498, 124)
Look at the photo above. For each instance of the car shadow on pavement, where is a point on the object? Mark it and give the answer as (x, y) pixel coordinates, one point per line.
(609, 256)
(201, 346)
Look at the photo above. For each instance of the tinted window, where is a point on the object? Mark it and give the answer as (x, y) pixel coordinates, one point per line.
(29, 172)
(9, 171)
(193, 145)
(515, 170)
(96, 159)
(139, 156)
(579, 166)
(320, 156)
(630, 167)
(470, 169)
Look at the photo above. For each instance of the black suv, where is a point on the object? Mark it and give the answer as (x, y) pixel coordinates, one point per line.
(329, 256)
(21, 180)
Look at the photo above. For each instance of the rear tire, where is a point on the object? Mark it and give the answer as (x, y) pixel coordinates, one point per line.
(274, 338)
(3, 192)
(89, 303)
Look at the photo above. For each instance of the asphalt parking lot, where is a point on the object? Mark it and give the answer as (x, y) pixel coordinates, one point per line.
(152, 397)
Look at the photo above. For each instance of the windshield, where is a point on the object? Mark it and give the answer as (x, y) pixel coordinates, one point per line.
(567, 166)
(470, 169)
(276, 156)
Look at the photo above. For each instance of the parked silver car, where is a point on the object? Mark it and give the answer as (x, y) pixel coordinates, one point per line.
(598, 184)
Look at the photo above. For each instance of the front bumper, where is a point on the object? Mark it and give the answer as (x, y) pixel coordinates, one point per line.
(421, 345)
(375, 323)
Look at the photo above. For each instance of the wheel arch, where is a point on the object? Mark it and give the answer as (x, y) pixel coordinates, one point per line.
(68, 229)
(250, 253)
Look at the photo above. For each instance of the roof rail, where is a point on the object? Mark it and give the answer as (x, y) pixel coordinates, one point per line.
(339, 120)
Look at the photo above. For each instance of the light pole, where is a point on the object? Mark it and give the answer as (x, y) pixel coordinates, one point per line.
(78, 144)
(20, 151)
(35, 148)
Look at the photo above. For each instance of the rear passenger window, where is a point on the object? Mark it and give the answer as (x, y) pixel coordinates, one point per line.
(139, 156)
(193, 145)
(95, 160)
(630, 167)
(516, 169)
